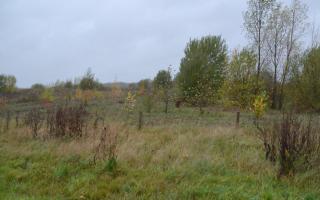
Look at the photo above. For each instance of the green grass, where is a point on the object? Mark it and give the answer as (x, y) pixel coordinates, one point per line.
(226, 166)
(178, 156)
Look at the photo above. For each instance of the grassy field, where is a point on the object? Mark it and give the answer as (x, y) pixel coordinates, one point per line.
(177, 156)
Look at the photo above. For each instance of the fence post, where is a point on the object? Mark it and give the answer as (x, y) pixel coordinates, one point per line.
(8, 117)
(238, 119)
(17, 119)
(140, 120)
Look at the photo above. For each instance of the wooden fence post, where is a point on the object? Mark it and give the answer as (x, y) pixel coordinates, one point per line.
(140, 122)
(17, 119)
(238, 119)
(8, 118)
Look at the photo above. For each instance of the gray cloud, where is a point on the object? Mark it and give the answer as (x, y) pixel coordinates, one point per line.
(42, 40)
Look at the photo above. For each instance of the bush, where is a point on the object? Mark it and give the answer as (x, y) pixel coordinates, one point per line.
(130, 102)
(68, 120)
(34, 121)
(106, 149)
(260, 105)
(293, 142)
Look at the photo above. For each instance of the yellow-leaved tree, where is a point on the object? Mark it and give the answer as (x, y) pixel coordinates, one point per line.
(259, 106)
(130, 102)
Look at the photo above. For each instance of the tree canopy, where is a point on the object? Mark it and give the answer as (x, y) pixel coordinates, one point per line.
(239, 86)
(88, 81)
(202, 70)
(7, 83)
(162, 84)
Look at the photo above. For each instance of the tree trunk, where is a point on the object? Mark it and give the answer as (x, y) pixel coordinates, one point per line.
(287, 65)
(274, 90)
(259, 58)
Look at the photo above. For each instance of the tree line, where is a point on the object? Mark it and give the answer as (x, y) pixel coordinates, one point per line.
(275, 64)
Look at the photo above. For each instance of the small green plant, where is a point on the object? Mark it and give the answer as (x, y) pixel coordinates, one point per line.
(61, 171)
(260, 105)
(111, 165)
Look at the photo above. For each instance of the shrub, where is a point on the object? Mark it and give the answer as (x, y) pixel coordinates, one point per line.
(76, 120)
(47, 96)
(106, 149)
(34, 121)
(260, 105)
(130, 102)
(291, 141)
(67, 120)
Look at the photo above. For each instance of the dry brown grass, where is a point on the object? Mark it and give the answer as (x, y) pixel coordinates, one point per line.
(159, 146)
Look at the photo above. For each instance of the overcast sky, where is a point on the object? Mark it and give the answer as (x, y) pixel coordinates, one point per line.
(123, 40)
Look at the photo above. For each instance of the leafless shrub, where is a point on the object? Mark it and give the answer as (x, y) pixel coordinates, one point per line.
(66, 120)
(298, 144)
(76, 118)
(268, 135)
(50, 121)
(61, 122)
(106, 149)
(292, 141)
(33, 120)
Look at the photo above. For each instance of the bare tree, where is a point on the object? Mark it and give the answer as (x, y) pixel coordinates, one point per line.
(255, 19)
(275, 39)
(315, 36)
(296, 16)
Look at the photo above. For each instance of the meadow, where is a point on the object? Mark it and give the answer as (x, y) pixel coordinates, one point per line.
(179, 155)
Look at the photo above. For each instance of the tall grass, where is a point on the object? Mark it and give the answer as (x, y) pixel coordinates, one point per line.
(172, 161)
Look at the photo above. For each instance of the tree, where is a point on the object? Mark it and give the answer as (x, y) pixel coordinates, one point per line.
(162, 84)
(7, 83)
(202, 70)
(68, 84)
(146, 94)
(144, 87)
(38, 87)
(239, 86)
(255, 23)
(296, 16)
(88, 81)
(275, 39)
(130, 102)
(309, 90)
